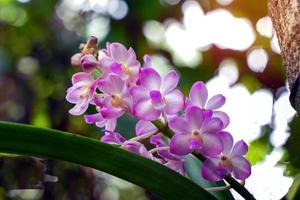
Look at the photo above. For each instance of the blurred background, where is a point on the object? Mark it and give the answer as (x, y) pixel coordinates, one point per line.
(230, 44)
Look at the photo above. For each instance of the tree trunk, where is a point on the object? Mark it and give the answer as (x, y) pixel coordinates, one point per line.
(285, 15)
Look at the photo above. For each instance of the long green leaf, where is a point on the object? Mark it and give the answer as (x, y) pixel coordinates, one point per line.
(29, 140)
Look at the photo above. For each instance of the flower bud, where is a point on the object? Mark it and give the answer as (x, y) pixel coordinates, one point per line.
(75, 59)
(89, 63)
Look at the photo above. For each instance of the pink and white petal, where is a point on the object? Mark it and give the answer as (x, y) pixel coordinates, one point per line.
(144, 110)
(139, 93)
(75, 59)
(105, 63)
(150, 79)
(211, 144)
(134, 73)
(111, 124)
(157, 100)
(212, 125)
(101, 124)
(79, 108)
(111, 112)
(105, 86)
(169, 82)
(195, 144)
(194, 116)
(157, 140)
(239, 149)
(117, 84)
(118, 52)
(131, 57)
(148, 61)
(179, 144)
(81, 76)
(174, 102)
(222, 116)
(73, 95)
(111, 137)
(227, 141)
(215, 102)
(179, 125)
(241, 167)
(93, 118)
(116, 68)
(89, 63)
(198, 94)
(208, 170)
(143, 127)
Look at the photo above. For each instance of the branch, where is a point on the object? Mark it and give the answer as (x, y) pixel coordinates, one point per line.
(285, 15)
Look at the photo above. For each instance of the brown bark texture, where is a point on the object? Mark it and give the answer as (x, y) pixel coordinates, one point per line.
(285, 15)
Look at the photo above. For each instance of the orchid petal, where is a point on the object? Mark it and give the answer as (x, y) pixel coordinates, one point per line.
(111, 124)
(241, 167)
(93, 118)
(211, 144)
(89, 63)
(195, 117)
(227, 141)
(239, 149)
(74, 94)
(208, 170)
(79, 108)
(150, 78)
(194, 144)
(157, 140)
(82, 77)
(157, 100)
(179, 125)
(198, 94)
(116, 68)
(144, 110)
(111, 137)
(215, 102)
(174, 102)
(179, 144)
(111, 112)
(144, 127)
(147, 60)
(118, 52)
(114, 84)
(222, 116)
(169, 82)
(139, 93)
(213, 125)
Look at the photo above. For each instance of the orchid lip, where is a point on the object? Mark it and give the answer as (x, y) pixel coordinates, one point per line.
(196, 135)
(116, 101)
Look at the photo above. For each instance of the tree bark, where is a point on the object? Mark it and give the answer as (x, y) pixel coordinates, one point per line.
(285, 15)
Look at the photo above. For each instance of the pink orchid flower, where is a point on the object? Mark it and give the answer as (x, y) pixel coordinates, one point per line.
(156, 95)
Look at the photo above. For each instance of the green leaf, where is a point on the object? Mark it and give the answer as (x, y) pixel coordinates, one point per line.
(294, 191)
(192, 166)
(293, 143)
(261, 146)
(29, 140)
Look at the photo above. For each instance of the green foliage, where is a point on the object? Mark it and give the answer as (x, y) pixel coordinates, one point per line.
(293, 143)
(261, 146)
(294, 191)
(29, 140)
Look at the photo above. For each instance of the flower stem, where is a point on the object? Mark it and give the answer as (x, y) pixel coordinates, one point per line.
(144, 136)
(239, 188)
(158, 149)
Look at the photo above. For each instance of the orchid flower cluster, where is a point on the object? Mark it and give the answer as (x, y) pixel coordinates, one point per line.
(123, 86)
